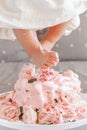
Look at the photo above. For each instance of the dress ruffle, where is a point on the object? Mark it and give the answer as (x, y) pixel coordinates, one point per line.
(38, 14)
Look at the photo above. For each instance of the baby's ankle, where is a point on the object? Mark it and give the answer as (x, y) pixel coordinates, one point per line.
(35, 52)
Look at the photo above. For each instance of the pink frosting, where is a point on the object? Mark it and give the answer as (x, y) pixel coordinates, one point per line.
(27, 72)
(51, 114)
(29, 116)
(44, 96)
(9, 112)
(81, 109)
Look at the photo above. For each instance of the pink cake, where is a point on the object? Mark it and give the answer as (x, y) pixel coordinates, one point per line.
(44, 97)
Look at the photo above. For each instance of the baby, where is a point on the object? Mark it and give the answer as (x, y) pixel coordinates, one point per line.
(24, 17)
(39, 51)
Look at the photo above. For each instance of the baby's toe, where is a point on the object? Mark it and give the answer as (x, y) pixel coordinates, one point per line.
(45, 66)
(54, 54)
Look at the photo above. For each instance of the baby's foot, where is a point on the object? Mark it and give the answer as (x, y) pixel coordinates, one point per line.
(47, 44)
(45, 59)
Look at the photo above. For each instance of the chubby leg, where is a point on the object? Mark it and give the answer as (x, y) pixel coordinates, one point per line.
(53, 35)
(40, 57)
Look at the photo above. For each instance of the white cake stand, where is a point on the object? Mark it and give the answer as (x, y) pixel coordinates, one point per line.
(65, 126)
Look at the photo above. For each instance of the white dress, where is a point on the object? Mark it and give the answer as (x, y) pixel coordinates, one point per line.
(38, 14)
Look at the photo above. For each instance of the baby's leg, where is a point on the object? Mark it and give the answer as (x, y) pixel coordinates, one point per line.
(31, 44)
(53, 35)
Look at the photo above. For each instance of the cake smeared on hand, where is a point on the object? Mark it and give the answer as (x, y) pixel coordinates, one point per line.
(44, 96)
